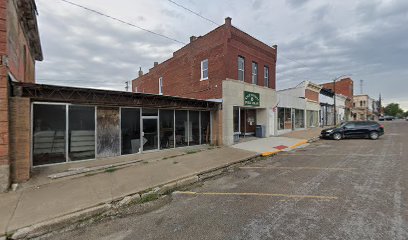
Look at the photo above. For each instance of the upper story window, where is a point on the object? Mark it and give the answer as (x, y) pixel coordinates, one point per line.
(254, 73)
(161, 85)
(204, 69)
(241, 68)
(266, 76)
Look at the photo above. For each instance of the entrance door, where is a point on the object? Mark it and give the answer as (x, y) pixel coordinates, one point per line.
(150, 134)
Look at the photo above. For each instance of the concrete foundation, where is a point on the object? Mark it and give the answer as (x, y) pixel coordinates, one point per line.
(4, 177)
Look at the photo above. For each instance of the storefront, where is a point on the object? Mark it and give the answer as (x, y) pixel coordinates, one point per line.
(60, 124)
(244, 108)
(291, 113)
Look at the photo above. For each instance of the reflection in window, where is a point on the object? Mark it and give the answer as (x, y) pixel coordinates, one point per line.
(49, 129)
(194, 128)
(205, 128)
(130, 122)
(181, 128)
(299, 118)
(81, 132)
(166, 129)
(149, 112)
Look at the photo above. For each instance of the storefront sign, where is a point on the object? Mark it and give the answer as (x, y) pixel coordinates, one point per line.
(251, 99)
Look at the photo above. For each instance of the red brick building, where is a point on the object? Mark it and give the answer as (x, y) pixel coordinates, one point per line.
(344, 87)
(224, 64)
(20, 47)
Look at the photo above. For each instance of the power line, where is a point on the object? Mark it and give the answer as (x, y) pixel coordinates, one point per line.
(207, 19)
(195, 13)
(122, 21)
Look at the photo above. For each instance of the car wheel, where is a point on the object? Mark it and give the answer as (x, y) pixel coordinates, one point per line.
(337, 136)
(374, 135)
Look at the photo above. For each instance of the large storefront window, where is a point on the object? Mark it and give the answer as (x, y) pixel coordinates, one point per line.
(64, 132)
(49, 134)
(194, 121)
(312, 118)
(81, 133)
(166, 129)
(181, 128)
(299, 118)
(284, 118)
(205, 128)
(130, 124)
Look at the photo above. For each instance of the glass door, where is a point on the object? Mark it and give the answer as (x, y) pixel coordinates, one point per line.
(150, 134)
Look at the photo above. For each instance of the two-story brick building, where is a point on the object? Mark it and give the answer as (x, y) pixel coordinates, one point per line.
(226, 65)
(20, 47)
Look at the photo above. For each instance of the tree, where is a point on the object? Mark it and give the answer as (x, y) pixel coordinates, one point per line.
(393, 109)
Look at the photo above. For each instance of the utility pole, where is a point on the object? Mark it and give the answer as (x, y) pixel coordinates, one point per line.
(334, 96)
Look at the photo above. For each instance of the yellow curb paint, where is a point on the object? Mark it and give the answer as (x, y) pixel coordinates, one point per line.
(266, 154)
(298, 144)
(257, 195)
(299, 168)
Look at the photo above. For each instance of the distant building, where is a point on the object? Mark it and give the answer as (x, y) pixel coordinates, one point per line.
(20, 47)
(344, 87)
(226, 65)
(365, 108)
(298, 107)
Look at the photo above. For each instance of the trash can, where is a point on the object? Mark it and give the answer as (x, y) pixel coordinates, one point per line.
(236, 137)
(260, 131)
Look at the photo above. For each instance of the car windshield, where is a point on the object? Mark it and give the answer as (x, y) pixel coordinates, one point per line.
(342, 124)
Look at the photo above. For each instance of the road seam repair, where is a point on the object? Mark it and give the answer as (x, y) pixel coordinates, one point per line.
(255, 194)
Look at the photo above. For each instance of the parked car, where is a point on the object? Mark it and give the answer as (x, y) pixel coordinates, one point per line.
(406, 118)
(354, 129)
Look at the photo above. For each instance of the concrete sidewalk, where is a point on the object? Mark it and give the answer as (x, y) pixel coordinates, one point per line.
(43, 199)
(270, 145)
(33, 205)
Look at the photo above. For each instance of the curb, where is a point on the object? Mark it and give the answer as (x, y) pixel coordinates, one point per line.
(48, 226)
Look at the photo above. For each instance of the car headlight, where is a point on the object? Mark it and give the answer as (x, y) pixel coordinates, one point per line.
(329, 131)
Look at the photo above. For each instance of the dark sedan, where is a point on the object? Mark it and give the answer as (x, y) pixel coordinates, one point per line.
(356, 129)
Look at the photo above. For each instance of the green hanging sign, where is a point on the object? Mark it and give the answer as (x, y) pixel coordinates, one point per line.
(251, 99)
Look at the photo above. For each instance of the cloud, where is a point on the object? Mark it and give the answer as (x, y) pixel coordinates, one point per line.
(317, 40)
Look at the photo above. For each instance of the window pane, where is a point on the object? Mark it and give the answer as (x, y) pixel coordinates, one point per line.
(49, 129)
(149, 112)
(299, 118)
(205, 128)
(81, 133)
(241, 68)
(254, 73)
(266, 76)
(181, 128)
(281, 118)
(205, 74)
(205, 64)
(194, 127)
(130, 122)
(166, 129)
(236, 119)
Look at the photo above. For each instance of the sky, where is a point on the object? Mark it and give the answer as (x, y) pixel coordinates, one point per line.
(318, 40)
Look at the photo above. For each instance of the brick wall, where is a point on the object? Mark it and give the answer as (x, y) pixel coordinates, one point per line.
(312, 95)
(222, 46)
(20, 140)
(20, 61)
(344, 86)
(4, 127)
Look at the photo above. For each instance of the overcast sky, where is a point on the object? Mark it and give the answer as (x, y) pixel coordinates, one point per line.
(317, 40)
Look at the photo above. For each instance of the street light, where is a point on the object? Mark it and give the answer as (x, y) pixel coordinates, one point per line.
(334, 90)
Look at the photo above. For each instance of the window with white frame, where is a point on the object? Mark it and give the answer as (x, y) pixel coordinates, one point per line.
(266, 76)
(254, 73)
(161, 85)
(204, 69)
(241, 68)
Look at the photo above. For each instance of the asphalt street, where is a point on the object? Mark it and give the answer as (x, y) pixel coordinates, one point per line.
(349, 189)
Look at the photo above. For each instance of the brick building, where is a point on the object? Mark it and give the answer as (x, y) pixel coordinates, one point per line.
(20, 47)
(343, 87)
(226, 64)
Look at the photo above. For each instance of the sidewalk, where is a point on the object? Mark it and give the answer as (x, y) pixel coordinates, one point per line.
(43, 199)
